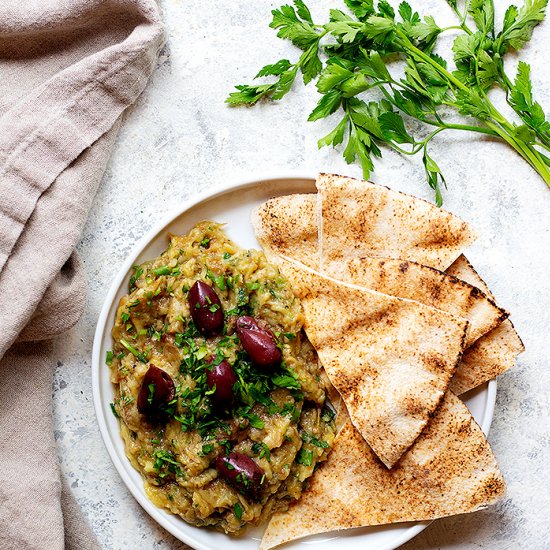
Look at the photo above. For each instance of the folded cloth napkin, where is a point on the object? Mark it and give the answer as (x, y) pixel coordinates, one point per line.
(69, 69)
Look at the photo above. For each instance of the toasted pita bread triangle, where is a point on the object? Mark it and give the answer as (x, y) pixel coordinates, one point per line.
(491, 355)
(449, 470)
(390, 359)
(462, 269)
(359, 218)
(425, 285)
(287, 226)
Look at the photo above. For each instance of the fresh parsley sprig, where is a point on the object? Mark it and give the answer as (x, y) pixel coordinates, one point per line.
(353, 55)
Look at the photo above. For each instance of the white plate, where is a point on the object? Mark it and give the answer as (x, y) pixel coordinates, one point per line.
(232, 205)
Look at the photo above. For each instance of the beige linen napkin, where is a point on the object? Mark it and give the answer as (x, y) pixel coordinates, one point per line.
(68, 70)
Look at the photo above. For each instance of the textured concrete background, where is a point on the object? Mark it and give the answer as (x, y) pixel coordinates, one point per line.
(180, 138)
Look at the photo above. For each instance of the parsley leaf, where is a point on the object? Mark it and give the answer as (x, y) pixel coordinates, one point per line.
(238, 510)
(138, 354)
(295, 27)
(519, 25)
(163, 270)
(521, 100)
(310, 438)
(326, 106)
(276, 69)
(218, 280)
(262, 450)
(304, 457)
(483, 14)
(165, 464)
(138, 272)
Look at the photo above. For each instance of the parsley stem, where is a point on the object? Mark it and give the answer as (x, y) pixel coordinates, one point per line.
(542, 144)
(462, 20)
(465, 127)
(453, 27)
(426, 58)
(133, 350)
(461, 16)
(527, 152)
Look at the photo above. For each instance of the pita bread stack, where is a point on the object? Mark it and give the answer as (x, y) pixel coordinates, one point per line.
(402, 323)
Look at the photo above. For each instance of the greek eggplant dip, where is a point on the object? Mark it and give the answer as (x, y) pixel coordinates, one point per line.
(219, 393)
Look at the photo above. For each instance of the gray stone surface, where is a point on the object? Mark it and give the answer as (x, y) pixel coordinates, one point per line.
(180, 138)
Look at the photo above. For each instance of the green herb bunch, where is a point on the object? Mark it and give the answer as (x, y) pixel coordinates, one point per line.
(377, 104)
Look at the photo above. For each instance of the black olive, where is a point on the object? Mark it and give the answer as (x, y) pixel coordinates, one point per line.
(206, 309)
(258, 342)
(242, 472)
(157, 389)
(223, 377)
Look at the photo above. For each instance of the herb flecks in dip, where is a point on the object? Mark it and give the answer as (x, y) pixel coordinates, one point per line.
(221, 404)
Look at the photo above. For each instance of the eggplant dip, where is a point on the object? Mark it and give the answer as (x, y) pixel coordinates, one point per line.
(220, 395)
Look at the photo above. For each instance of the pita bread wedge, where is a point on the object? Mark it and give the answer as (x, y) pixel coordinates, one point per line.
(390, 359)
(449, 470)
(288, 226)
(425, 285)
(491, 355)
(462, 269)
(359, 218)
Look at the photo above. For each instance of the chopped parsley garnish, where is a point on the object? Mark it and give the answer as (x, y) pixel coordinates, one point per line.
(290, 410)
(238, 509)
(243, 305)
(180, 338)
(155, 334)
(310, 438)
(121, 401)
(138, 272)
(150, 397)
(206, 449)
(304, 457)
(253, 286)
(226, 255)
(205, 243)
(328, 414)
(262, 450)
(254, 420)
(163, 270)
(286, 381)
(218, 280)
(165, 464)
(139, 355)
(226, 444)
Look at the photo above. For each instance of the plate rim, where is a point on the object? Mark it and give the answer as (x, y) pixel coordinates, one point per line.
(212, 192)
